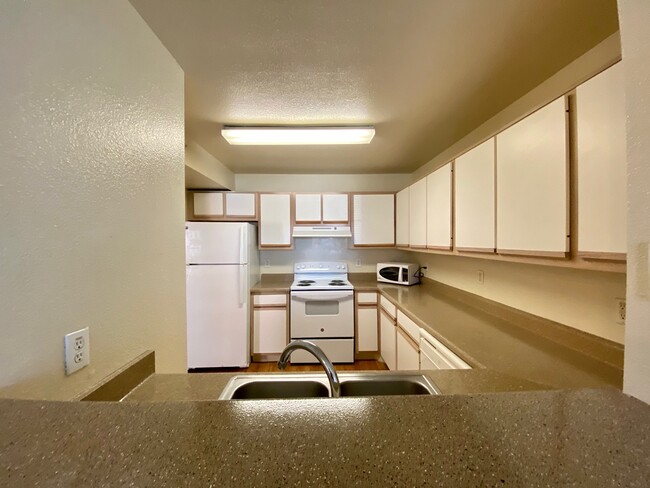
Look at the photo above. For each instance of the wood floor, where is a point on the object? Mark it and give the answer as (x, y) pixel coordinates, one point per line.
(273, 367)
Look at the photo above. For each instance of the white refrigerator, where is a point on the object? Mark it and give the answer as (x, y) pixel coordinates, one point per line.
(222, 263)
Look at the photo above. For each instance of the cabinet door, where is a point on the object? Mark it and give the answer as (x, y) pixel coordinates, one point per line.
(532, 193)
(240, 205)
(402, 218)
(601, 165)
(367, 340)
(474, 199)
(208, 204)
(308, 208)
(408, 355)
(269, 330)
(275, 220)
(438, 211)
(388, 341)
(418, 214)
(335, 208)
(374, 220)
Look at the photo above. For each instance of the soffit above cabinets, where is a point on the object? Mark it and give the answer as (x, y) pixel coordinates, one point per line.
(424, 74)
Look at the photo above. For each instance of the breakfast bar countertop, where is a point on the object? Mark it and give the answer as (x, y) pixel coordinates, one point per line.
(594, 438)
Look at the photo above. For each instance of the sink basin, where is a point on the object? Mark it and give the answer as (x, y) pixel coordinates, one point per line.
(289, 385)
(381, 387)
(280, 389)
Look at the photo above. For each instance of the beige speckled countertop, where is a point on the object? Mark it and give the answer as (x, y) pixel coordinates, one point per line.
(493, 336)
(590, 438)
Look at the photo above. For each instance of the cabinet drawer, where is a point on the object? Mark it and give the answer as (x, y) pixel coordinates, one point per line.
(260, 300)
(388, 306)
(408, 326)
(366, 298)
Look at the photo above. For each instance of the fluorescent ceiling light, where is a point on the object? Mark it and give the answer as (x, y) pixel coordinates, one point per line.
(297, 135)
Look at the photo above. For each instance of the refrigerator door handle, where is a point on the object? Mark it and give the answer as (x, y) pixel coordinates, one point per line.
(242, 245)
(242, 285)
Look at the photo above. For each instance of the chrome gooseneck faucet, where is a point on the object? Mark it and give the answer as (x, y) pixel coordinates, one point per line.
(335, 384)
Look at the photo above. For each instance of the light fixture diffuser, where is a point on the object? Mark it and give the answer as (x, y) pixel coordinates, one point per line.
(297, 135)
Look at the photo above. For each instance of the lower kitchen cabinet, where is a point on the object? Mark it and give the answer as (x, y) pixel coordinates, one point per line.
(408, 352)
(388, 338)
(269, 330)
(367, 336)
(270, 326)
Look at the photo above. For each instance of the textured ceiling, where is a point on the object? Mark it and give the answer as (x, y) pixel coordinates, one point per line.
(424, 72)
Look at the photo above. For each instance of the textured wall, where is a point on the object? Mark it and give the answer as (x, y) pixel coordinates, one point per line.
(91, 193)
(635, 39)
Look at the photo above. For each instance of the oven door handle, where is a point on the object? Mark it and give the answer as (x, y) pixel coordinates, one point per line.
(314, 296)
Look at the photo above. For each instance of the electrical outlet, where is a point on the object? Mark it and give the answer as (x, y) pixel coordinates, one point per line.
(481, 276)
(620, 311)
(358, 262)
(267, 263)
(77, 350)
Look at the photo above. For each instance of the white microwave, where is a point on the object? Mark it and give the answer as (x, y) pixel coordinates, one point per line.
(398, 273)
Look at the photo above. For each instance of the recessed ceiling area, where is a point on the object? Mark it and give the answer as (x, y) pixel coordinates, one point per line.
(423, 72)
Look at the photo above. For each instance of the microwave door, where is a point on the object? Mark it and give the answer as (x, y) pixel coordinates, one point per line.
(391, 273)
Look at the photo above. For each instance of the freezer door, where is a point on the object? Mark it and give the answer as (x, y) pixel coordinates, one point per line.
(217, 316)
(217, 242)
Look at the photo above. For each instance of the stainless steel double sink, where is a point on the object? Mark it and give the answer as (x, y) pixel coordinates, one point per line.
(288, 385)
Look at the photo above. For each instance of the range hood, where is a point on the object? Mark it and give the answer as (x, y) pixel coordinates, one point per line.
(322, 231)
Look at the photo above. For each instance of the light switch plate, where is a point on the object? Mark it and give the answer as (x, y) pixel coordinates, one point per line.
(77, 350)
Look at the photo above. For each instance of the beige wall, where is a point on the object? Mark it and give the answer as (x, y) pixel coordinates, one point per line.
(91, 192)
(211, 172)
(324, 183)
(635, 18)
(581, 299)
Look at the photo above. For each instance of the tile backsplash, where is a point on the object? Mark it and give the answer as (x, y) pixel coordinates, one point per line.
(328, 249)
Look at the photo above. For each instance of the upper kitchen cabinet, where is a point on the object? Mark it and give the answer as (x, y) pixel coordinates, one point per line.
(208, 204)
(241, 206)
(222, 206)
(418, 214)
(275, 220)
(532, 184)
(402, 218)
(373, 220)
(474, 199)
(335, 208)
(600, 104)
(438, 208)
(308, 208)
(326, 208)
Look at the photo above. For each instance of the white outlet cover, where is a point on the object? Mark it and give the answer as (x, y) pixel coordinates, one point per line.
(77, 350)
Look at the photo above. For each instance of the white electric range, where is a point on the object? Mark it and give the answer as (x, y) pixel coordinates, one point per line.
(322, 310)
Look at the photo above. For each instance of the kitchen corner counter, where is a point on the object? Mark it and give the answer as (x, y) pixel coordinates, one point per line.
(592, 438)
(490, 335)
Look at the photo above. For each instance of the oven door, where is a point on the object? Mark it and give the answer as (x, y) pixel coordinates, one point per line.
(316, 314)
